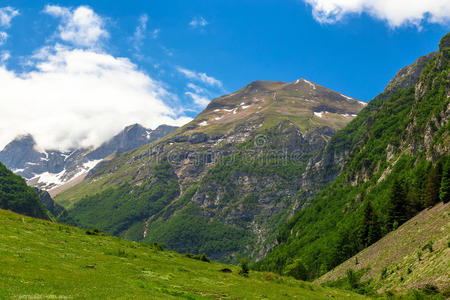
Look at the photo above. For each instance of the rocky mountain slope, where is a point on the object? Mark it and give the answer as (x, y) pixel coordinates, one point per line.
(223, 183)
(50, 170)
(390, 162)
(415, 254)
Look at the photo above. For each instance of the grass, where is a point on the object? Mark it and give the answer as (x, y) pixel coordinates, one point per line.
(44, 260)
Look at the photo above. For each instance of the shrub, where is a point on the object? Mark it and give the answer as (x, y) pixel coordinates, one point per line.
(158, 246)
(297, 270)
(245, 270)
(204, 258)
(419, 255)
(428, 246)
(352, 279)
(201, 257)
(93, 231)
(430, 289)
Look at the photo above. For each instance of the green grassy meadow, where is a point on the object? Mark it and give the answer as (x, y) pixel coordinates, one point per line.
(45, 260)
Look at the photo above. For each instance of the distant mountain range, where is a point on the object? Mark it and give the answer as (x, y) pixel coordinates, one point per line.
(53, 170)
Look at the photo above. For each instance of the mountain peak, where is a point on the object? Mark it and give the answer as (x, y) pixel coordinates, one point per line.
(263, 102)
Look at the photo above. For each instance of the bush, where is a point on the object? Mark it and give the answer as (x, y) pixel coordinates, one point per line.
(245, 270)
(352, 279)
(201, 257)
(430, 289)
(428, 246)
(158, 246)
(93, 231)
(297, 270)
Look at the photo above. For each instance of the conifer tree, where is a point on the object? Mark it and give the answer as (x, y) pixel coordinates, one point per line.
(444, 192)
(397, 209)
(431, 196)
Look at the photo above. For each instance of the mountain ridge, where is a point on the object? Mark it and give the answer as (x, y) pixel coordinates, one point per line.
(51, 170)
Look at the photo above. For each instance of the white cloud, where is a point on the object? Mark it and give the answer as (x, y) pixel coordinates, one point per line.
(198, 22)
(77, 97)
(196, 88)
(3, 37)
(6, 15)
(394, 12)
(80, 26)
(202, 77)
(4, 56)
(201, 101)
(140, 33)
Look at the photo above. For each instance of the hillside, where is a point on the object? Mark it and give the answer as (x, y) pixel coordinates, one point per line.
(15, 195)
(397, 255)
(43, 260)
(223, 183)
(390, 162)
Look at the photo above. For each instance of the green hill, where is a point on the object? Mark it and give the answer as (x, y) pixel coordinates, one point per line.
(15, 195)
(394, 162)
(44, 260)
(416, 254)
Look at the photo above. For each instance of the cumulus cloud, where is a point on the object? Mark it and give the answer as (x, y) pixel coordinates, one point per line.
(6, 15)
(79, 98)
(198, 22)
(394, 12)
(198, 76)
(81, 26)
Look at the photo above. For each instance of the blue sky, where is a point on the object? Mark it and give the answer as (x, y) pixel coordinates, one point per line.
(192, 51)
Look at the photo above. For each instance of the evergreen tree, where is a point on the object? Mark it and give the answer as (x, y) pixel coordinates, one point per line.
(431, 196)
(444, 192)
(413, 203)
(397, 209)
(370, 229)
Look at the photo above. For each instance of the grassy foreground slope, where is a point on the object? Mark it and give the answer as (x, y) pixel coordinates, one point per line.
(44, 260)
(393, 262)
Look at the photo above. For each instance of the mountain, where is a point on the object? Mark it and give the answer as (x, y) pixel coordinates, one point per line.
(223, 183)
(16, 196)
(388, 164)
(47, 260)
(132, 137)
(415, 254)
(54, 170)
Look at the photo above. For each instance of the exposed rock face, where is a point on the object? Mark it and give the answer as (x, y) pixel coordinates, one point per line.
(50, 169)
